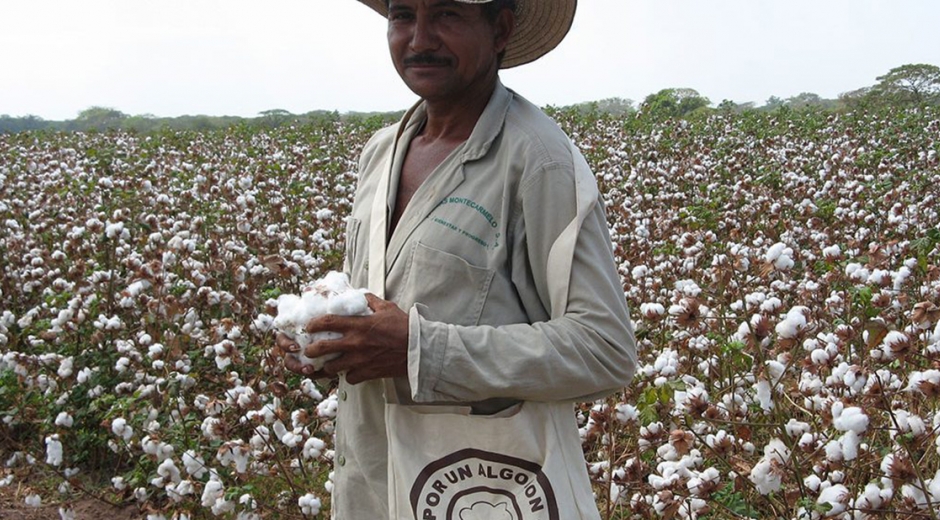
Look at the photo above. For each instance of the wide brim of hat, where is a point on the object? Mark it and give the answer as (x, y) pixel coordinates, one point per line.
(540, 26)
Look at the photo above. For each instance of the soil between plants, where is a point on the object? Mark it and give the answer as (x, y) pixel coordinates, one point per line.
(13, 507)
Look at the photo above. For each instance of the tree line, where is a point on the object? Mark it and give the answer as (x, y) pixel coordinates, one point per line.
(907, 85)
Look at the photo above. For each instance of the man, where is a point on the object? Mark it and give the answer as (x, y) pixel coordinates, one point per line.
(474, 221)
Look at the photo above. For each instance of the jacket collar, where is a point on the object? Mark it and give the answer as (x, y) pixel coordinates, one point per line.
(488, 127)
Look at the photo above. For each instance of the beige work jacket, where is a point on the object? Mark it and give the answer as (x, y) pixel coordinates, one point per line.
(467, 261)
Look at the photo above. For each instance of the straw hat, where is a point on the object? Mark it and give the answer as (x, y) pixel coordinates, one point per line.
(540, 26)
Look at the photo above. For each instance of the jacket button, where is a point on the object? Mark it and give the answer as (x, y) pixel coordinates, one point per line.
(342, 395)
(341, 460)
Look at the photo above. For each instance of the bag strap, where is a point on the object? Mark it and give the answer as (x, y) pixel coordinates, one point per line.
(378, 228)
(561, 255)
(378, 234)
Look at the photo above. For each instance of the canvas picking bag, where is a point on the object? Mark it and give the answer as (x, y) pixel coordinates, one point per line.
(523, 463)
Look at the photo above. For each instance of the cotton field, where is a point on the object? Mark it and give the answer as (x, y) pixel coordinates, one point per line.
(783, 273)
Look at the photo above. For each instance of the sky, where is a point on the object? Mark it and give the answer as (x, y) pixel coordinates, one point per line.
(239, 57)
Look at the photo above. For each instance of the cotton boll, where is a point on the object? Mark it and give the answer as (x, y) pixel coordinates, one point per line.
(834, 451)
(309, 504)
(309, 388)
(214, 490)
(832, 252)
(908, 423)
(764, 395)
(195, 466)
(120, 428)
(327, 407)
(870, 498)
(812, 482)
(795, 428)
(64, 420)
(234, 453)
(926, 383)
(625, 413)
(767, 474)
(780, 256)
(934, 487)
(849, 419)
(794, 323)
(776, 370)
(248, 502)
(313, 448)
(914, 494)
(835, 496)
(849, 442)
(53, 450)
(771, 304)
(66, 366)
(652, 311)
(177, 492)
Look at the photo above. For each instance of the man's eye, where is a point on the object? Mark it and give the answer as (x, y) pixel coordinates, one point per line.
(400, 15)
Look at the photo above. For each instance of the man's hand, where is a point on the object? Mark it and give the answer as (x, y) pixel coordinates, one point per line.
(288, 346)
(372, 346)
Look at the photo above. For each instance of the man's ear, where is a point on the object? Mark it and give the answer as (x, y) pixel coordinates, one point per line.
(505, 26)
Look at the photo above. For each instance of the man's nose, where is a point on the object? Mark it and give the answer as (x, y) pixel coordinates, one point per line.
(424, 38)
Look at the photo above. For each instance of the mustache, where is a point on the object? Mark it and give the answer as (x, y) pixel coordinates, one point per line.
(426, 59)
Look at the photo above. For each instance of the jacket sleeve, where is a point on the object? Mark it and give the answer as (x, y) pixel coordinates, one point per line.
(587, 352)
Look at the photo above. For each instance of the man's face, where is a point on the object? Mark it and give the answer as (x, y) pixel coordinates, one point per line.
(445, 50)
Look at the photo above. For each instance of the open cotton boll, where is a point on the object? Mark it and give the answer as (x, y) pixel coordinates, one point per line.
(794, 323)
(331, 294)
(849, 419)
(309, 504)
(780, 256)
(53, 450)
(835, 497)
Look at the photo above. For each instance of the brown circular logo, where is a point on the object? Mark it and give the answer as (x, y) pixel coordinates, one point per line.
(481, 485)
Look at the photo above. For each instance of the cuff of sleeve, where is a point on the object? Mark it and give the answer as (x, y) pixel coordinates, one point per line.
(425, 363)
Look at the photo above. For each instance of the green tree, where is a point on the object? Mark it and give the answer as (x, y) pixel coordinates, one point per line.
(141, 123)
(774, 102)
(910, 84)
(857, 99)
(99, 118)
(616, 106)
(730, 107)
(806, 100)
(275, 117)
(22, 124)
(673, 102)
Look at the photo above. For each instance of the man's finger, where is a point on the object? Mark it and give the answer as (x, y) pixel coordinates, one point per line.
(293, 363)
(285, 344)
(325, 346)
(329, 323)
(373, 301)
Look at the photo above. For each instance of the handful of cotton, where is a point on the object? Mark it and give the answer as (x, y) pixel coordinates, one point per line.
(331, 294)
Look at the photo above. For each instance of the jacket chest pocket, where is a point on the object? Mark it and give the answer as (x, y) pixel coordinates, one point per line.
(453, 290)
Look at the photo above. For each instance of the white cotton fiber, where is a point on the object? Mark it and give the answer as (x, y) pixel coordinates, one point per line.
(849, 419)
(331, 294)
(835, 497)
